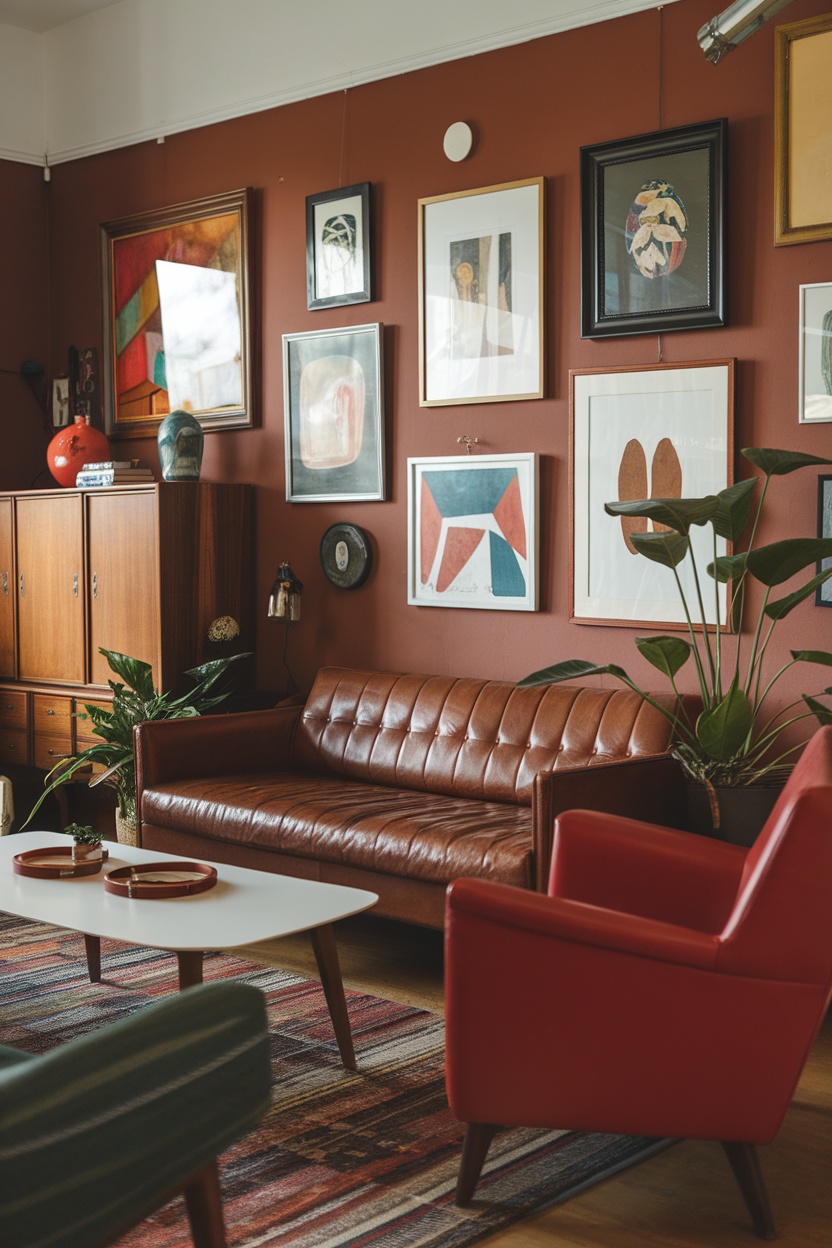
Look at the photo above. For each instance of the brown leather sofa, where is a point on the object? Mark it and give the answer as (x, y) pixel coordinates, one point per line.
(401, 783)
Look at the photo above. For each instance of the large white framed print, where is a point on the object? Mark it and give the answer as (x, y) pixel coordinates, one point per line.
(662, 431)
(472, 532)
(815, 372)
(481, 295)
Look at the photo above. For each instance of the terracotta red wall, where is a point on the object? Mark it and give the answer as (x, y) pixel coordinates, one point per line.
(24, 321)
(532, 107)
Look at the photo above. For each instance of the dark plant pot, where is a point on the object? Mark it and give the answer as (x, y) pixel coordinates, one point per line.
(743, 810)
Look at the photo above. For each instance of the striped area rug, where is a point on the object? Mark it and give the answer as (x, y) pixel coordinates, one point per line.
(343, 1159)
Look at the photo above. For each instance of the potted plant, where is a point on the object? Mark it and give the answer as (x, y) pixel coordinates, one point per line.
(86, 844)
(134, 701)
(734, 743)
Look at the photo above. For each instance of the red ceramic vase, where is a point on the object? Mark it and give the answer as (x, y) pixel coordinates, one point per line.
(74, 446)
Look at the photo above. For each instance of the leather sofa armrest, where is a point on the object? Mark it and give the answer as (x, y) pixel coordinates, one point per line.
(184, 749)
(651, 789)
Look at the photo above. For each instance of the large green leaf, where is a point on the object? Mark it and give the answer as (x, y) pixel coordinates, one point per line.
(822, 713)
(676, 513)
(779, 561)
(728, 567)
(137, 674)
(778, 463)
(571, 669)
(731, 516)
(777, 610)
(667, 654)
(668, 549)
(722, 730)
(812, 656)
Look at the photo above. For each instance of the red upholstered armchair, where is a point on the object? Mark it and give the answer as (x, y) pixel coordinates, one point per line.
(667, 985)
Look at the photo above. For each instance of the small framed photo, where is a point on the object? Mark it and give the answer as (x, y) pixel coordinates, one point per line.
(481, 295)
(178, 316)
(661, 431)
(802, 136)
(823, 593)
(815, 373)
(653, 232)
(472, 532)
(338, 247)
(333, 395)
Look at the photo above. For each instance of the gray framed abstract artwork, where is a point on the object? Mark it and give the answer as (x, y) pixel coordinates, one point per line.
(815, 370)
(333, 398)
(472, 532)
(338, 247)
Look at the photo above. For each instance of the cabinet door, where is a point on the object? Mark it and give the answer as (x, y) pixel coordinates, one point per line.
(124, 579)
(50, 578)
(6, 589)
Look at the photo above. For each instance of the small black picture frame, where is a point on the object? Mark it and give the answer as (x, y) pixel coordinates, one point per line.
(823, 593)
(338, 247)
(666, 272)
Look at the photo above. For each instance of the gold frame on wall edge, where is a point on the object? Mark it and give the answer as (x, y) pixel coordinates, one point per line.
(801, 90)
(214, 236)
(462, 219)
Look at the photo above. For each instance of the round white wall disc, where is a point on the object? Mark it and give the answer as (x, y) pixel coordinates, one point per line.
(459, 139)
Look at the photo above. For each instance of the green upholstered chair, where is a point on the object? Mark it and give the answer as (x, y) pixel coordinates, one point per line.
(98, 1133)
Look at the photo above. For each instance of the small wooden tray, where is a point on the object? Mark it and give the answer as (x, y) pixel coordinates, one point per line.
(194, 877)
(55, 863)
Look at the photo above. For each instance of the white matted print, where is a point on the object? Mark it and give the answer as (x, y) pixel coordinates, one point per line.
(657, 432)
(481, 295)
(815, 353)
(472, 532)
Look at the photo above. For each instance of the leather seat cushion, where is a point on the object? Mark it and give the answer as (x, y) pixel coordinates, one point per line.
(423, 836)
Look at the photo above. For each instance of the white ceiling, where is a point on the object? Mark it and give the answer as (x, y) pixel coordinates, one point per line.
(41, 15)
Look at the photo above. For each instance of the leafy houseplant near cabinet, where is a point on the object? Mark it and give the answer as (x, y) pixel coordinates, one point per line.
(734, 743)
(134, 702)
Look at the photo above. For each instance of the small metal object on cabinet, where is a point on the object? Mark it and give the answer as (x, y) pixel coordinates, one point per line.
(95, 584)
(22, 586)
(6, 584)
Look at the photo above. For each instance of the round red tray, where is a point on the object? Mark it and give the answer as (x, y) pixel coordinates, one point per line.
(55, 863)
(172, 879)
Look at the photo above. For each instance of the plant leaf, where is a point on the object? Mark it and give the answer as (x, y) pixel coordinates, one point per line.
(779, 561)
(728, 567)
(667, 654)
(136, 673)
(722, 730)
(778, 463)
(731, 516)
(668, 549)
(777, 610)
(812, 656)
(676, 513)
(821, 712)
(571, 669)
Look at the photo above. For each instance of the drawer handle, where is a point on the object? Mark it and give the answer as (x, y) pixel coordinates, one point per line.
(51, 711)
(75, 584)
(9, 706)
(6, 584)
(22, 586)
(95, 584)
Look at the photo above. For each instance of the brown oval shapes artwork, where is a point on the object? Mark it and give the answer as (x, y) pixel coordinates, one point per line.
(665, 480)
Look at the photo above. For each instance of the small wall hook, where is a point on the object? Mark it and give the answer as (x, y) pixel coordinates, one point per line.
(469, 442)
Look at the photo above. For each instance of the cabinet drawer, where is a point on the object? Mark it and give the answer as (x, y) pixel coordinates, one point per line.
(85, 734)
(52, 715)
(50, 749)
(13, 710)
(14, 747)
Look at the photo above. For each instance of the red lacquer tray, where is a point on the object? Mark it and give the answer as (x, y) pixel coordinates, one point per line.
(160, 879)
(55, 863)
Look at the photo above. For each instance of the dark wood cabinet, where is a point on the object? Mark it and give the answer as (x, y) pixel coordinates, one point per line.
(142, 570)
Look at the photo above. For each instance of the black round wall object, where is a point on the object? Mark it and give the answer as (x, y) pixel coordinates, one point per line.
(346, 555)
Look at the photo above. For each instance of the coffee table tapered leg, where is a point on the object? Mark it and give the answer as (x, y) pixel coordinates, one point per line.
(92, 944)
(190, 968)
(326, 955)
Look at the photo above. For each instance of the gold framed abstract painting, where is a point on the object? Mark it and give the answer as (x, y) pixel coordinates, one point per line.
(802, 135)
(177, 316)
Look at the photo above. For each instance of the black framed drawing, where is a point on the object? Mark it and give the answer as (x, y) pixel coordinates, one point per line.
(653, 232)
(823, 593)
(338, 245)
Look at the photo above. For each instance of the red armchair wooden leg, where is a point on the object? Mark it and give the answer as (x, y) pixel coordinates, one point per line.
(746, 1166)
(478, 1137)
(204, 1204)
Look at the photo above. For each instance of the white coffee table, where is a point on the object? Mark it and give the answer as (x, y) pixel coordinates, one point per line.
(243, 908)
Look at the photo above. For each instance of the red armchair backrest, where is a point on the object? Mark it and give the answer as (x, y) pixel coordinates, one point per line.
(781, 925)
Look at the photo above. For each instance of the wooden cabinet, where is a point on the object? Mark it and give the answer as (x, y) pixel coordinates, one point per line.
(142, 570)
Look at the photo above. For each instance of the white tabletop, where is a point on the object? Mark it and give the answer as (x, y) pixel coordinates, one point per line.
(242, 908)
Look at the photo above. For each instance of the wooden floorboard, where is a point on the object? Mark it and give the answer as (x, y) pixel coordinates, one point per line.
(685, 1197)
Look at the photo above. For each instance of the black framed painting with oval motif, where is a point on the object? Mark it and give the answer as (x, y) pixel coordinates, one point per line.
(346, 555)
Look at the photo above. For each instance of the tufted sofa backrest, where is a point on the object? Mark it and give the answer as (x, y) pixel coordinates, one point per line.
(466, 737)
